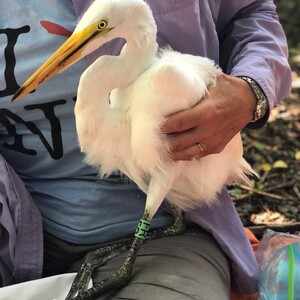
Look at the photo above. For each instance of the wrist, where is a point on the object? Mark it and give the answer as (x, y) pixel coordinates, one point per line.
(261, 105)
(235, 98)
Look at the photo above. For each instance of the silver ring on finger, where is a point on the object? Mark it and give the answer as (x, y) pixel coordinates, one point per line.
(199, 146)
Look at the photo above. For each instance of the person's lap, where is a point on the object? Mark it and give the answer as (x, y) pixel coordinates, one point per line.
(189, 266)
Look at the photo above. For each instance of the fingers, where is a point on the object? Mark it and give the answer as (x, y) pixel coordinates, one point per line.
(195, 151)
(184, 131)
(211, 123)
(186, 145)
(198, 142)
(184, 120)
(192, 132)
(200, 149)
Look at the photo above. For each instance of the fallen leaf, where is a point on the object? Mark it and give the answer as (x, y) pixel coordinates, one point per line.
(269, 217)
(265, 167)
(280, 164)
(259, 146)
(235, 192)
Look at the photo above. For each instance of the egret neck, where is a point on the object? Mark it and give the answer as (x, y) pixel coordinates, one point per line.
(108, 73)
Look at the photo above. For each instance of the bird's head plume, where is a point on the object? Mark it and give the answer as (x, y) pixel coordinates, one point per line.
(105, 20)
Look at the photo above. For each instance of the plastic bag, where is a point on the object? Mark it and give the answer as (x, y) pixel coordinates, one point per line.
(278, 256)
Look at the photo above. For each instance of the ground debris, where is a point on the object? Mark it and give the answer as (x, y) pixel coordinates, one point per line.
(274, 153)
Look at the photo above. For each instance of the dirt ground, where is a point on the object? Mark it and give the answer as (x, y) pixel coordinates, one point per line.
(274, 152)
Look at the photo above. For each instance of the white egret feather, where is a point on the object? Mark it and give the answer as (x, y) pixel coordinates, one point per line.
(124, 100)
(145, 88)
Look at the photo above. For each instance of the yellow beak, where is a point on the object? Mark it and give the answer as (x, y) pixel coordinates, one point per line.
(70, 52)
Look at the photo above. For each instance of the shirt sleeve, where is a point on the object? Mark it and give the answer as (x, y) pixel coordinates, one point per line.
(253, 44)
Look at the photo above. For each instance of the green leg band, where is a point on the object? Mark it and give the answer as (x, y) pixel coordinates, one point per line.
(142, 229)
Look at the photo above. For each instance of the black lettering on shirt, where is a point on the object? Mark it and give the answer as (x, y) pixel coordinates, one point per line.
(9, 55)
(56, 151)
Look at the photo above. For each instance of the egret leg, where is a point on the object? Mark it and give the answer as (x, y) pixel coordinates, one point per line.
(122, 276)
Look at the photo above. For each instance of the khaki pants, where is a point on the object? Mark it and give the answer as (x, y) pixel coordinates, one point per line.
(188, 266)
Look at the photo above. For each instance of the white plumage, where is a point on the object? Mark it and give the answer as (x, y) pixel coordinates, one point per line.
(124, 100)
(145, 89)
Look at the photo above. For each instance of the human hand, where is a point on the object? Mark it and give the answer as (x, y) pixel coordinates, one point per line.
(207, 127)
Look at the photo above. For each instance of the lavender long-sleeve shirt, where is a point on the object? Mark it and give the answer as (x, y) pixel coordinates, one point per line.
(38, 137)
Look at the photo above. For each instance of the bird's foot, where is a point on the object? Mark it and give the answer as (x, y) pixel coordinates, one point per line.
(116, 280)
(93, 260)
(121, 277)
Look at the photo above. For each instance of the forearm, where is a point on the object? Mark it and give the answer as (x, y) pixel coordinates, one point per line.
(254, 45)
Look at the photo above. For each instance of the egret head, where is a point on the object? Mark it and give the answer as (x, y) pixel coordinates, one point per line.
(105, 20)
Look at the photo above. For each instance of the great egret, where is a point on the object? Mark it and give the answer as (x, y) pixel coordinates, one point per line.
(123, 102)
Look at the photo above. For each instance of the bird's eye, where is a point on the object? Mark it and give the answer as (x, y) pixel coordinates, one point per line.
(102, 24)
